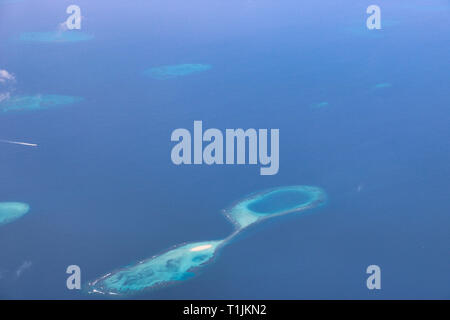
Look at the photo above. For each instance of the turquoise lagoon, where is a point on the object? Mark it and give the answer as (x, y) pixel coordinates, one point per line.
(36, 102)
(10, 211)
(183, 262)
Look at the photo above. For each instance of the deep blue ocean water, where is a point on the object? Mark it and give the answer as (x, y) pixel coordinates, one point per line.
(104, 193)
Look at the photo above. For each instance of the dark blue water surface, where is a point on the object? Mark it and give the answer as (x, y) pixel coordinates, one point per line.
(103, 190)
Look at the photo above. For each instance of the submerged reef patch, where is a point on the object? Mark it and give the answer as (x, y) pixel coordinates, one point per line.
(382, 85)
(174, 71)
(55, 36)
(320, 105)
(182, 262)
(176, 264)
(10, 211)
(36, 102)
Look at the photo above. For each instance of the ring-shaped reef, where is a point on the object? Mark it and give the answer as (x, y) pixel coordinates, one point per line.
(11, 211)
(184, 261)
(274, 202)
(36, 102)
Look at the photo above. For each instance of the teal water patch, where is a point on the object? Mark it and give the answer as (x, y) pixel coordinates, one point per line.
(174, 265)
(382, 85)
(183, 262)
(274, 202)
(36, 102)
(320, 105)
(174, 71)
(10, 211)
(55, 36)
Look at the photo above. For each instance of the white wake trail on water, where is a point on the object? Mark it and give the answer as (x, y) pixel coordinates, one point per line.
(19, 143)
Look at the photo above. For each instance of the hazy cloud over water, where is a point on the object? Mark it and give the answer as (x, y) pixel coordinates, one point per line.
(23, 267)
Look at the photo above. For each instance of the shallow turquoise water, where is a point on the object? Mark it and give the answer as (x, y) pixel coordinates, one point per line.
(36, 102)
(174, 265)
(10, 211)
(55, 36)
(174, 71)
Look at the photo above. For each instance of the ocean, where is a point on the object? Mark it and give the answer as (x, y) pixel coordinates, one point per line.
(362, 114)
